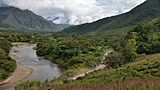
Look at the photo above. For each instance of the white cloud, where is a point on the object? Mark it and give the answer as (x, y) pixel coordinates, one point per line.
(75, 11)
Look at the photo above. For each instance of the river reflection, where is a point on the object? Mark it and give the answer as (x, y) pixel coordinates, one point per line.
(42, 69)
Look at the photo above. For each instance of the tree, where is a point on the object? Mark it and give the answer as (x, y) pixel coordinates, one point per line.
(130, 48)
(114, 60)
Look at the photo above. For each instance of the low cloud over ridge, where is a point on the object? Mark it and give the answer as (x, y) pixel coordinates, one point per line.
(74, 11)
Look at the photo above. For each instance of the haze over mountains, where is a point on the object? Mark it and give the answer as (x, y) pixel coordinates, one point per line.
(17, 19)
(148, 10)
(74, 12)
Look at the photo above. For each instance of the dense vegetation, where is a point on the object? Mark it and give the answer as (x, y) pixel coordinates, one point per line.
(16, 36)
(72, 51)
(143, 39)
(7, 65)
(132, 59)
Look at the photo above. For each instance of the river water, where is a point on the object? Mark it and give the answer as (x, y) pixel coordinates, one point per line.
(42, 69)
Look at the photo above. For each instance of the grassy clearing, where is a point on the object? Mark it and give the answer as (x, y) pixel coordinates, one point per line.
(19, 43)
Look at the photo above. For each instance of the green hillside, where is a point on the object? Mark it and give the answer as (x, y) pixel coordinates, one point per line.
(12, 18)
(147, 11)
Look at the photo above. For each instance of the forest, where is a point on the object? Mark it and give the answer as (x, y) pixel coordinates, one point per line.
(144, 39)
(72, 51)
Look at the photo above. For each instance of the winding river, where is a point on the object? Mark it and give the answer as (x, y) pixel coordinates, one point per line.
(42, 69)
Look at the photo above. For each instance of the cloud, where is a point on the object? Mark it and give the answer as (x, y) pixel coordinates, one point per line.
(2, 4)
(74, 11)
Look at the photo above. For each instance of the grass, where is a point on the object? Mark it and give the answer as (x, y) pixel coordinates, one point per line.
(136, 84)
(28, 85)
(114, 31)
(19, 43)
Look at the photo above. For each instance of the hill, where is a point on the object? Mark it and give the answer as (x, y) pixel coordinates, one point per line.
(146, 11)
(17, 19)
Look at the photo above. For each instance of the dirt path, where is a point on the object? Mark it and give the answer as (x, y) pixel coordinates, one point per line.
(98, 67)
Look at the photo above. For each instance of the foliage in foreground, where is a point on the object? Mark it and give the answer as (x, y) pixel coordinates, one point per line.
(28, 85)
(136, 84)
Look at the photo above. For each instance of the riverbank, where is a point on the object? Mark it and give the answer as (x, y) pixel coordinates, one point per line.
(19, 74)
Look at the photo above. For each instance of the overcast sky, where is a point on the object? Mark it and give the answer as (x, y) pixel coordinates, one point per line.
(74, 11)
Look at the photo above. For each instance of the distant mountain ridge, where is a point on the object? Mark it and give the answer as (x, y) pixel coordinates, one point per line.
(17, 19)
(148, 10)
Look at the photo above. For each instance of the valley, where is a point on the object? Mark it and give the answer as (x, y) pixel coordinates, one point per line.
(120, 52)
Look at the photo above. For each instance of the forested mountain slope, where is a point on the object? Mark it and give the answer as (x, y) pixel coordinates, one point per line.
(146, 11)
(17, 19)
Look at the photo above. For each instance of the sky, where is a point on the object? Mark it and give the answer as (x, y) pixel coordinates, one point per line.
(74, 11)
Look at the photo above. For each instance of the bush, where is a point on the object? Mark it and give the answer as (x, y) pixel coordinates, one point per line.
(3, 74)
(3, 54)
(72, 52)
(114, 60)
(9, 66)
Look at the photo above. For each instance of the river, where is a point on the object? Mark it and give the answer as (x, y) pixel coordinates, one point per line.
(42, 69)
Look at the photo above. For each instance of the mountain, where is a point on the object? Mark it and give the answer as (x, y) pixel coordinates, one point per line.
(17, 19)
(146, 11)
